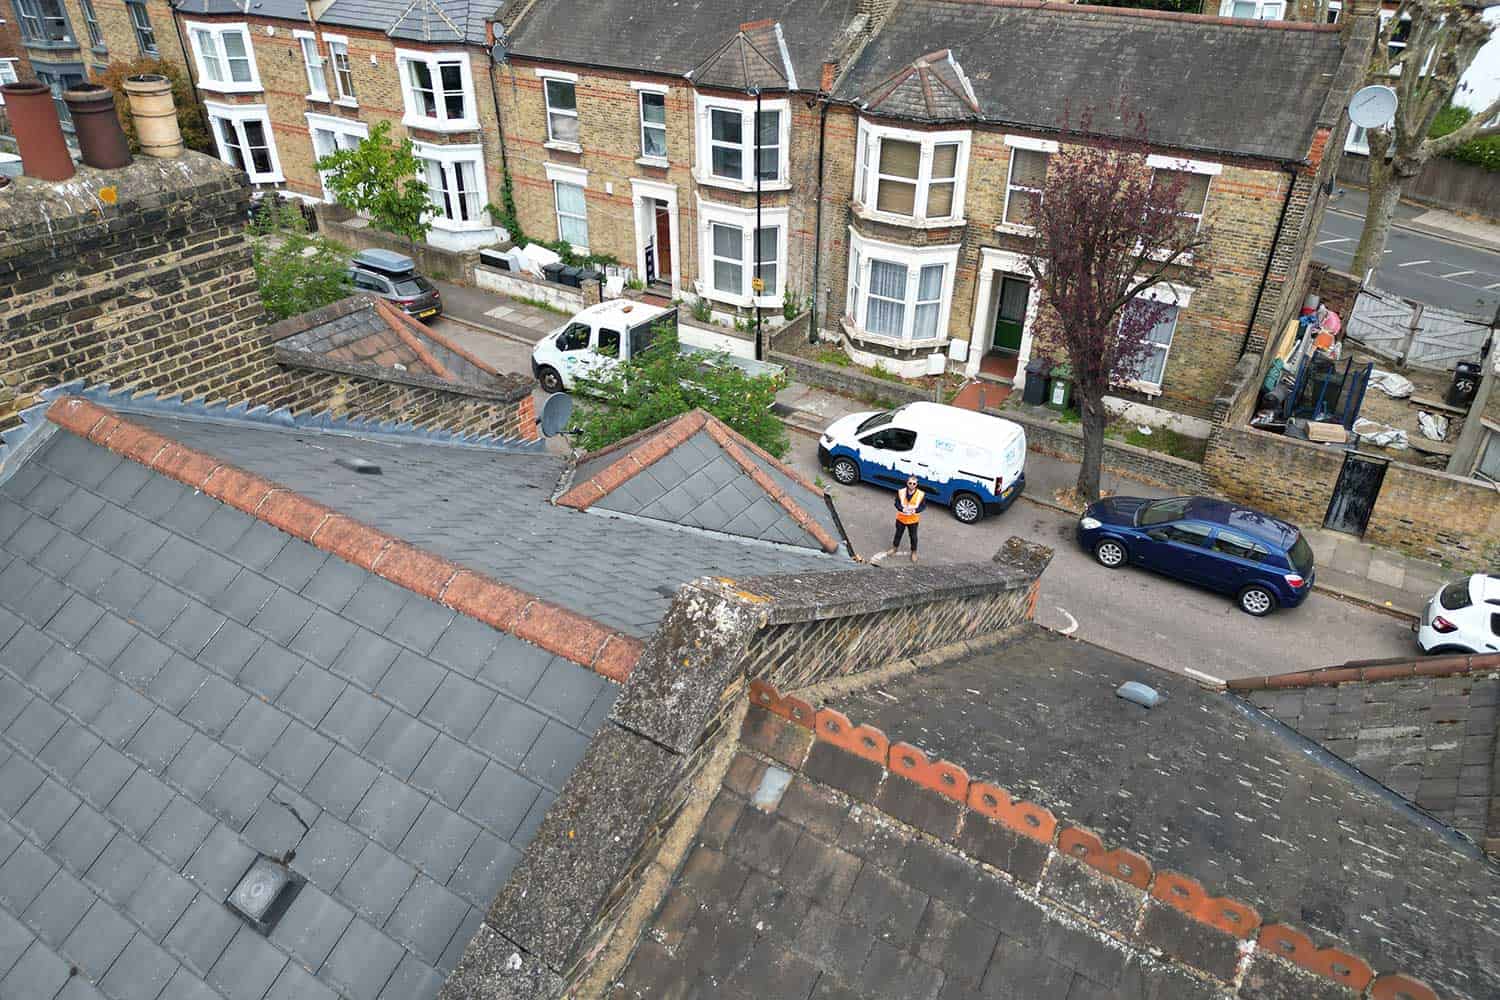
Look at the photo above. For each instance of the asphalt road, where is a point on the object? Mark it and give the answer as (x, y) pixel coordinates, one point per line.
(1164, 622)
(1417, 266)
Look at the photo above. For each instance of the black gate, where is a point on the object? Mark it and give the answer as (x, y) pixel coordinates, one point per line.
(1355, 492)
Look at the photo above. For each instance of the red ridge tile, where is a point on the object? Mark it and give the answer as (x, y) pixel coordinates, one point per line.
(1122, 863)
(1019, 815)
(1287, 942)
(1187, 894)
(868, 742)
(415, 569)
(293, 513)
(939, 775)
(1399, 987)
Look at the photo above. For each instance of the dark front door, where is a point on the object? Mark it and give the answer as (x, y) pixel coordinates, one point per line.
(663, 242)
(1010, 317)
(1355, 492)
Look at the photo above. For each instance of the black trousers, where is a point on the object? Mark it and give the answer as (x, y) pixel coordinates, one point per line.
(910, 529)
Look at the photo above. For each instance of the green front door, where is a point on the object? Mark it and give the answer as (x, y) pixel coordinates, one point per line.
(1011, 316)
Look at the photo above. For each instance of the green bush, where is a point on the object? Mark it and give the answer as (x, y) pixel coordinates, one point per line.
(195, 133)
(663, 383)
(296, 270)
(1480, 152)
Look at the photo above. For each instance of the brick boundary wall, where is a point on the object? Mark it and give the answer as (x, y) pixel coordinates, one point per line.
(846, 380)
(576, 877)
(1048, 437)
(1163, 910)
(434, 262)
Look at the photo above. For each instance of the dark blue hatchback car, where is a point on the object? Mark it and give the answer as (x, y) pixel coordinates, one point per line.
(1263, 561)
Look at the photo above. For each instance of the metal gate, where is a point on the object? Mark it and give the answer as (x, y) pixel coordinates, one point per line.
(1355, 492)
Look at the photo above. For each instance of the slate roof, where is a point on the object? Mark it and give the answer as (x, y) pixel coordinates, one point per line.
(664, 36)
(182, 685)
(1247, 87)
(487, 509)
(755, 57)
(1430, 739)
(698, 472)
(434, 21)
(293, 9)
(1204, 787)
(933, 88)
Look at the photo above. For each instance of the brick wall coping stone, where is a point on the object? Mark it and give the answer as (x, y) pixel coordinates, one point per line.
(1364, 671)
(555, 629)
(1031, 837)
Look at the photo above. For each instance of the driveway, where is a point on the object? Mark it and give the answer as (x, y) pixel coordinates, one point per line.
(1158, 620)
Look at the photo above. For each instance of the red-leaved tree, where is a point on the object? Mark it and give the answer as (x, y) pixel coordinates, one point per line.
(1108, 227)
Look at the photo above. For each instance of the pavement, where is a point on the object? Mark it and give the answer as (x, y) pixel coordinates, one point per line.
(1432, 256)
(1366, 595)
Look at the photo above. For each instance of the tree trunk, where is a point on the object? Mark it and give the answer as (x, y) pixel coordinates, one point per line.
(1384, 197)
(1092, 412)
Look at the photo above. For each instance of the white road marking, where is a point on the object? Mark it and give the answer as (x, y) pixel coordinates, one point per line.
(1072, 622)
(1414, 263)
(1457, 274)
(1206, 678)
(1341, 239)
(1490, 288)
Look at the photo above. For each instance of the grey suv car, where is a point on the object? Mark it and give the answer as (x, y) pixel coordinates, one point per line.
(393, 276)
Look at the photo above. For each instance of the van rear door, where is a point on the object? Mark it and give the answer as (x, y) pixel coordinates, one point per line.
(643, 334)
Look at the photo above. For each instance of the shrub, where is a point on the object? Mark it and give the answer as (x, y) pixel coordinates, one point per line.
(380, 178)
(1483, 152)
(195, 133)
(296, 270)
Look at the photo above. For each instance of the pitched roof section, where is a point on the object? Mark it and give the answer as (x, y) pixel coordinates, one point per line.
(183, 686)
(755, 57)
(1205, 84)
(696, 471)
(414, 20)
(934, 88)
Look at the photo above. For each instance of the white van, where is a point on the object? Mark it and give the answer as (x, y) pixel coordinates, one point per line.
(972, 462)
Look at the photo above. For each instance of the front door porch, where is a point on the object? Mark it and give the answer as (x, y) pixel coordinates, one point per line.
(656, 246)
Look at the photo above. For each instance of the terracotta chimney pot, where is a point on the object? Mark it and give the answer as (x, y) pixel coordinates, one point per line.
(100, 137)
(39, 135)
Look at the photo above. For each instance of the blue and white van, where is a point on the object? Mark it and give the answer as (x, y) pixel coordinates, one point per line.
(973, 463)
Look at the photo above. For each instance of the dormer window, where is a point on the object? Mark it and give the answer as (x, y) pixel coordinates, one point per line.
(438, 90)
(225, 61)
(910, 178)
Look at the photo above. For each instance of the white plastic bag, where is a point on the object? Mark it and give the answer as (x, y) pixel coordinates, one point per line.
(1432, 425)
(1380, 434)
(1393, 385)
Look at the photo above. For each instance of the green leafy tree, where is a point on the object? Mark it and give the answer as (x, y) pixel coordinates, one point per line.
(379, 178)
(295, 269)
(663, 382)
(195, 133)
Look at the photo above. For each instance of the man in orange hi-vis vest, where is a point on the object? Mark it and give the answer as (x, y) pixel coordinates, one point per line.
(910, 502)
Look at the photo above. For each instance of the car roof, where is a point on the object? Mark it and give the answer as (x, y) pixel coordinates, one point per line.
(385, 261)
(1246, 520)
(1484, 588)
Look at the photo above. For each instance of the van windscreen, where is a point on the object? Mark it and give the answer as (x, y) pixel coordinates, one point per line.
(878, 420)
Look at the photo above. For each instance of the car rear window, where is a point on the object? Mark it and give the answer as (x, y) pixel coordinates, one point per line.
(1301, 555)
(414, 285)
(1455, 596)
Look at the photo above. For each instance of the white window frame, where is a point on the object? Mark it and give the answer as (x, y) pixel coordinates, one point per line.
(142, 27)
(312, 59)
(217, 32)
(91, 21)
(864, 250)
(703, 141)
(446, 156)
(566, 145)
(1180, 296)
(346, 127)
(867, 175)
(558, 173)
(339, 45)
(415, 117)
(742, 219)
(34, 20)
(1358, 140)
(1157, 162)
(1047, 147)
(237, 115)
(642, 89)
(1265, 10)
(8, 74)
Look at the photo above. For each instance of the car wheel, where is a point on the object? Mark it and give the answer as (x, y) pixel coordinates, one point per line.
(845, 471)
(1110, 553)
(1257, 601)
(967, 508)
(1449, 651)
(551, 381)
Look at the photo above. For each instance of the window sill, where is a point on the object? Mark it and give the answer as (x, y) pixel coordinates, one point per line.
(450, 226)
(49, 43)
(906, 221)
(230, 88)
(266, 179)
(653, 161)
(346, 102)
(320, 98)
(729, 185)
(563, 147)
(1015, 229)
(101, 51)
(435, 124)
(744, 301)
(885, 340)
(1144, 388)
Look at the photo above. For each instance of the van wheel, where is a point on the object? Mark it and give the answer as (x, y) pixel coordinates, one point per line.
(967, 508)
(551, 381)
(1257, 601)
(845, 471)
(1110, 554)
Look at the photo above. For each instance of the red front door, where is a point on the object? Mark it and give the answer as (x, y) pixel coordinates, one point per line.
(663, 242)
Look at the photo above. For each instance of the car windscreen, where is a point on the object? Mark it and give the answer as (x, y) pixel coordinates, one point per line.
(878, 420)
(412, 285)
(1455, 596)
(1301, 555)
(1161, 511)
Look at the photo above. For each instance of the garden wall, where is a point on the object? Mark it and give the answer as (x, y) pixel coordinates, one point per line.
(339, 225)
(1443, 183)
(518, 285)
(1048, 437)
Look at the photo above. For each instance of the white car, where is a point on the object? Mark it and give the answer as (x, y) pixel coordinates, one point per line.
(1463, 617)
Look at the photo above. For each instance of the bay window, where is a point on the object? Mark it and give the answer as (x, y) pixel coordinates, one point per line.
(455, 185)
(44, 21)
(140, 21)
(225, 61)
(560, 94)
(438, 90)
(243, 135)
(910, 177)
(735, 253)
(728, 133)
(899, 294)
(317, 77)
(330, 134)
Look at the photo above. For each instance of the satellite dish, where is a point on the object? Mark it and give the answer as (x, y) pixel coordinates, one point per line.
(500, 51)
(1373, 106)
(556, 412)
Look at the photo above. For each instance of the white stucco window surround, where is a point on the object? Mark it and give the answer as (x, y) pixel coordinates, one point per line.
(560, 97)
(438, 91)
(459, 193)
(727, 244)
(225, 60)
(641, 192)
(1149, 377)
(330, 133)
(242, 133)
(725, 132)
(899, 296)
(910, 178)
(993, 266)
(1025, 175)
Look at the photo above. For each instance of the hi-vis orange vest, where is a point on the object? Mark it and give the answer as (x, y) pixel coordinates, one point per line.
(912, 500)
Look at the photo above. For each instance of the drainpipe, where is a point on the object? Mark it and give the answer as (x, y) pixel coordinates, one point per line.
(812, 312)
(755, 238)
(489, 28)
(1265, 276)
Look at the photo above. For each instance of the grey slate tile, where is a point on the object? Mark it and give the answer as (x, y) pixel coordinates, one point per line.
(44, 814)
(158, 740)
(174, 559)
(81, 840)
(388, 810)
(93, 571)
(19, 778)
(198, 765)
(376, 603)
(258, 546)
(326, 853)
(500, 801)
(362, 962)
(333, 584)
(123, 713)
(213, 704)
(419, 624)
(438, 842)
(514, 666)
(247, 968)
(426, 919)
(75, 619)
(13, 698)
(400, 743)
(238, 793)
(25, 874)
(256, 729)
(365, 659)
(554, 755)
(484, 869)
(156, 610)
(141, 660)
(323, 637)
(39, 974)
(457, 706)
(120, 869)
(311, 694)
(297, 755)
(355, 717)
(410, 682)
(566, 690)
(57, 670)
(465, 645)
(68, 750)
(98, 940)
(268, 671)
(296, 564)
(448, 771)
(311, 926)
(230, 649)
(273, 831)
(219, 863)
(161, 900)
(341, 782)
(208, 578)
(187, 986)
(508, 730)
(37, 723)
(107, 639)
(192, 630)
(27, 647)
(375, 883)
(459, 941)
(189, 514)
(89, 693)
(282, 615)
(224, 528)
(179, 831)
(412, 978)
(202, 934)
(58, 908)
(141, 971)
(296, 984)
(176, 683)
(140, 802)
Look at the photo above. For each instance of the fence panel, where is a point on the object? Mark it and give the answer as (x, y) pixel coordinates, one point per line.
(1381, 321)
(1434, 338)
(1445, 337)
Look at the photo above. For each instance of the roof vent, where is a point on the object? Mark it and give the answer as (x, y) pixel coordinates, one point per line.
(264, 893)
(1139, 693)
(360, 465)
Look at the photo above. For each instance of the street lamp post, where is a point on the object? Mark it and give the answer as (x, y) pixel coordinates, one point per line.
(756, 284)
